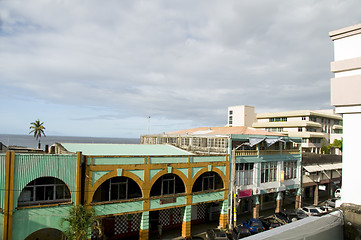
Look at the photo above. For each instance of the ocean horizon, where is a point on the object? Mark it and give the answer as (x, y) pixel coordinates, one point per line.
(30, 142)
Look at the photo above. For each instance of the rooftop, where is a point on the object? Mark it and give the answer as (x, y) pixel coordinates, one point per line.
(223, 131)
(106, 149)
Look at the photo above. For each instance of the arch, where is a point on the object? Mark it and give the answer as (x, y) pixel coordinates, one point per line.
(117, 188)
(208, 181)
(165, 171)
(44, 190)
(112, 174)
(214, 169)
(46, 233)
(172, 180)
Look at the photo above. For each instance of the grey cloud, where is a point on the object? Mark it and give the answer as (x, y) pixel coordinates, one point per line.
(183, 60)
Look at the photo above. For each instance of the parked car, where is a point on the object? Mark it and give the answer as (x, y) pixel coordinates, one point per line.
(301, 214)
(331, 202)
(338, 193)
(325, 209)
(239, 232)
(254, 225)
(283, 217)
(311, 211)
(270, 222)
(216, 234)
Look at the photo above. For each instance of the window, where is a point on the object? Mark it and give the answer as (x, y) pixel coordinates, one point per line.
(208, 181)
(303, 118)
(268, 172)
(290, 169)
(315, 140)
(278, 119)
(313, 119)
(230, 120)
(300, 129)
(244, 174)
(304, 140)
(44, 190)
(117, 188)
(168, 184)
(230, 112)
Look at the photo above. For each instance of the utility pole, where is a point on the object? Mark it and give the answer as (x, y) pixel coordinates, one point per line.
(149, 124)
(233, 214)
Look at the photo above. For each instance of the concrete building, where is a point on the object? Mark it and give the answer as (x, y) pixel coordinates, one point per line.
(315, 127)
(346, 97)
(134, 188)
(37, 191)
(264, 165)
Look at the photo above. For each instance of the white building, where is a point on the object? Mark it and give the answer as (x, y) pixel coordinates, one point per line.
(315, 127)
(346, 97)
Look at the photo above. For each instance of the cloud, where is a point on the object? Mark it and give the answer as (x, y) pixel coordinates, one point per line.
(183, 61)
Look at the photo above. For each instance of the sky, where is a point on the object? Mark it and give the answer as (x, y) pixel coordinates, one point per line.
(102, 68)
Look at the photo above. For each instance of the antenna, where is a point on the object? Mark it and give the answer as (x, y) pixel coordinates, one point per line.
(149, 124)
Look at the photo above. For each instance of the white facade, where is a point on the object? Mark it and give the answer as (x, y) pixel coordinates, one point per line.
(241, 115)
(346, 97)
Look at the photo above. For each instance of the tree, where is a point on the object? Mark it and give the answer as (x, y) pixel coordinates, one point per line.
(37, 128)
(82, 222)
(337, 144)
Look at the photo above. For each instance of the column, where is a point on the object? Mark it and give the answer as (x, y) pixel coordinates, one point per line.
(315, 195)
(298, 199)
(278, 202)
(144, 226)
(187, 219)
(224, 215)
(256, 206)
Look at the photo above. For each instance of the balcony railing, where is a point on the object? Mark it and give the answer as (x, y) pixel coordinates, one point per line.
(266, 152)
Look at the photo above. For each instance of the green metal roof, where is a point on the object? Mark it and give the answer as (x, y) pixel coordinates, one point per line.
(106, 149)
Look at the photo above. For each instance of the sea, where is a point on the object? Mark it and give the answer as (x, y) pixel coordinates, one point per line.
(30, 142)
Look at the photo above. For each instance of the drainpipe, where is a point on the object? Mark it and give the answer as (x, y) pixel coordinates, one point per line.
(232, 215)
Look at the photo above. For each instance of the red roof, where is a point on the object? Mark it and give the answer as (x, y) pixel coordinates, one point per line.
(225, 130)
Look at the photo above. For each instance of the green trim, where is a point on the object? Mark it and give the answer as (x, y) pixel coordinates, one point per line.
(120, 172)
(187, 213)
(139, 173)
(97, 175)
(144, 221)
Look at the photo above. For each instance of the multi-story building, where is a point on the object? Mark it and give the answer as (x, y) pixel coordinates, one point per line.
(37, 191)
(264, 165)
(346, 97)
(133, 189)
(316, 127)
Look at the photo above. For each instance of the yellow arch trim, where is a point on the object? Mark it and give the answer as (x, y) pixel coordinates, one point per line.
(112, 174)
(214, 169)
(165, 171)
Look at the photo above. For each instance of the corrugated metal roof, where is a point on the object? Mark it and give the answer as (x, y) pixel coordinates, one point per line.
(102, 149)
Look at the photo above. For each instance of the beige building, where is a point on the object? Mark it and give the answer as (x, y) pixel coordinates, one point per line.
(315, 127)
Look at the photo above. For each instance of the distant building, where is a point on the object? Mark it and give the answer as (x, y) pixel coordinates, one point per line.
(346, 97)
(265, 166)
(315, 127)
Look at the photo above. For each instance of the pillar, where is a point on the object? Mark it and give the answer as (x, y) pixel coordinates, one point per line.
(224, 215)
(144, 226)
(187, 219)
(256, 206)
(315, 195)
(278, 202)
(298, 199)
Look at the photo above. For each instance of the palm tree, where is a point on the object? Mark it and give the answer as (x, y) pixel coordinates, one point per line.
(81, 223)
(37, 128)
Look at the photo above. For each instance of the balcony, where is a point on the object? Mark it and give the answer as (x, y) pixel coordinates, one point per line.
(266, 152)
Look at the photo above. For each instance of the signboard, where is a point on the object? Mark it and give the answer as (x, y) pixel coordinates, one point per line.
(244, 193)
(167, 200)
(322, 187)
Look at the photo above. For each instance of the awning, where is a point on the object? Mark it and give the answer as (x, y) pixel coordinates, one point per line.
(323, 167)
(312, 168)
(271, 141)
(254, 141)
